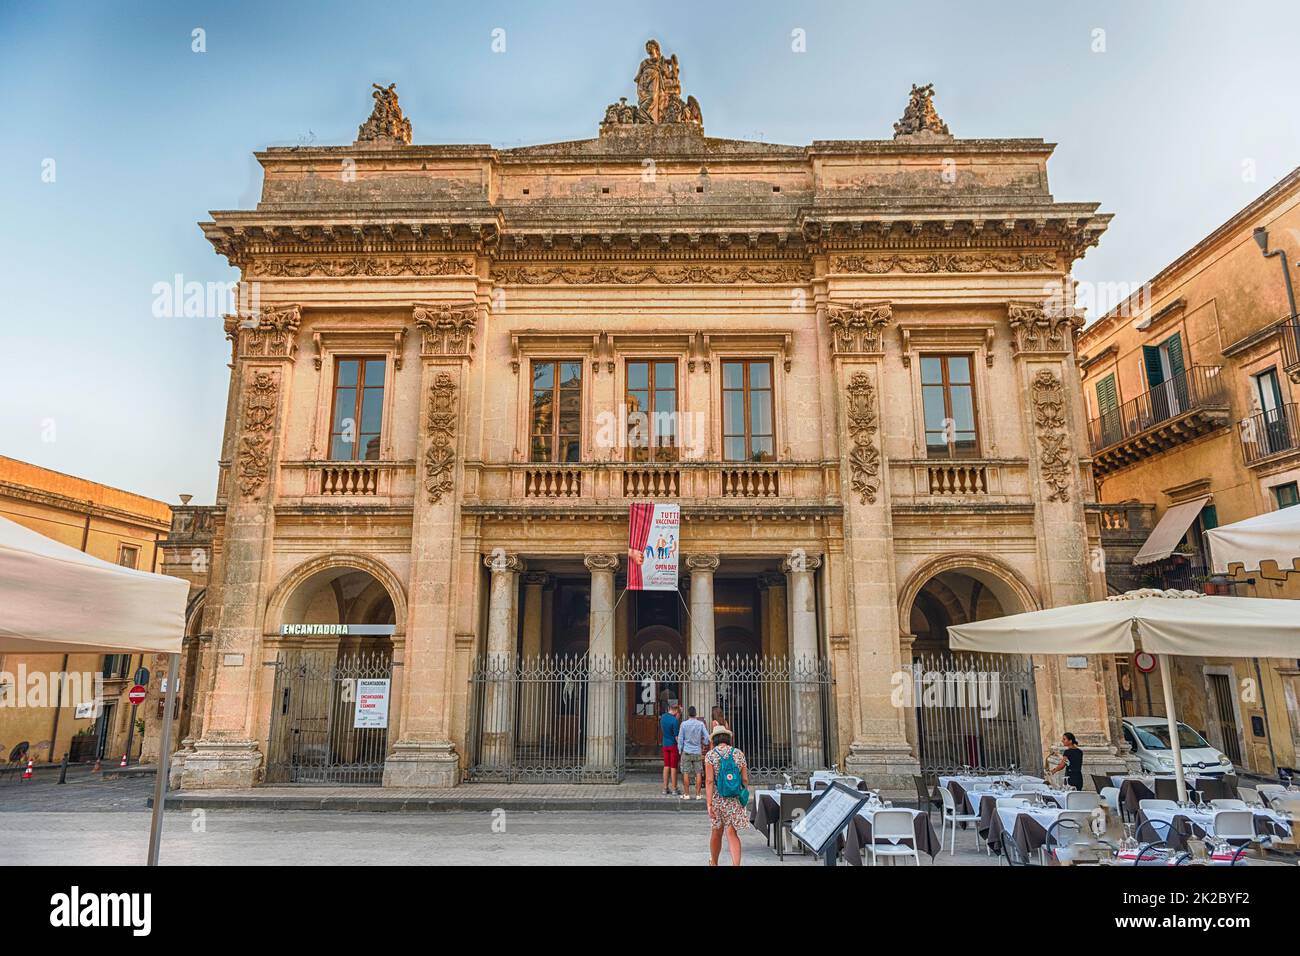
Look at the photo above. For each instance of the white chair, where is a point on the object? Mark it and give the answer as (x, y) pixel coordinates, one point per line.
(1235, 826)
(1268, 791)
(950, 815)
(1250, 796)
(1110, 795)
(1081, 800)
(1229, 804)
(893, 825)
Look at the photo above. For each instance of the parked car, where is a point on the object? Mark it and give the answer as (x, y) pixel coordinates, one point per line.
(1149, 738)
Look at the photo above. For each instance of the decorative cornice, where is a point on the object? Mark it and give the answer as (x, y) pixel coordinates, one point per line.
(342, 267)
(858, 326)
(864, 457)
(684, 274)
(448, 327)
(1040, 328)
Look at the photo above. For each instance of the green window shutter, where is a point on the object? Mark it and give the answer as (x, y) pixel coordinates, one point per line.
(1209, 517)
(1107, 399)
(1174, 349)
(1151, 359)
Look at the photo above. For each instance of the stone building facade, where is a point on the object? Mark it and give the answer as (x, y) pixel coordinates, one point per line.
(1192, 388)
(850, 364)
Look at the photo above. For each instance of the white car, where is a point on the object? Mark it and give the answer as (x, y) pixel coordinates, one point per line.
(1149, 738)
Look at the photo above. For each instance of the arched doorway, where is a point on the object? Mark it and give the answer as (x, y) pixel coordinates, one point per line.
(974, 711)
(332, 704)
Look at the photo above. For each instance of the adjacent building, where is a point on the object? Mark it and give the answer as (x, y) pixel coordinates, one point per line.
(849, 364)
(1192, 388)
(52, 715)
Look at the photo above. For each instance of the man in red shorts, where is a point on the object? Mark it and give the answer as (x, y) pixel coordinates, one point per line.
(669, 724)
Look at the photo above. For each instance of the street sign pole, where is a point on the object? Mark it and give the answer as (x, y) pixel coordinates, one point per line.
(164, 759)
(136, 697)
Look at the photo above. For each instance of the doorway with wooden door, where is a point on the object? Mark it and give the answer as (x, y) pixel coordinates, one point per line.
(657, 654)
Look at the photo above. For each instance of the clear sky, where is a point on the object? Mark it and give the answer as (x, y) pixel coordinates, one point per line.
(1174, 118)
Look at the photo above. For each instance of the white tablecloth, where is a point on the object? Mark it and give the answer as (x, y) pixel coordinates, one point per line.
(827, 776)
(1205, 820)
(985, 781)
(1044, 815)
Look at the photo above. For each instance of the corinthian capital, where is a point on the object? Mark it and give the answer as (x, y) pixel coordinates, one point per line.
(601, 562)
(856, 326)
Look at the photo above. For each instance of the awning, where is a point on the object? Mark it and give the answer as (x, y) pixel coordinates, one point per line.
(1272, 536)
(1169, 531)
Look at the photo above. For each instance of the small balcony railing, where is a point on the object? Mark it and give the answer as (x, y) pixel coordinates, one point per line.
(1269, 433)
(1289, 335)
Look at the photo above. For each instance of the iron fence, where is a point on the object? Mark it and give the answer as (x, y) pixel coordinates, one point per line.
(581, 720)
(975, 713)
(315, 737)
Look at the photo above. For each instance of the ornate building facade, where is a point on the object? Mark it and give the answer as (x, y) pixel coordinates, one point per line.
(850, 364)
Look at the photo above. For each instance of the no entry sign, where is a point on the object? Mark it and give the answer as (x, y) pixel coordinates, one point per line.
(136, 694)
(1144, 662)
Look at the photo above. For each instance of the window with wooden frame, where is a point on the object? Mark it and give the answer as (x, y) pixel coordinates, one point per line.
(357, 413)
(555, 422)
(948, 402)
(128, 555)
(748, 433)
(651, 403)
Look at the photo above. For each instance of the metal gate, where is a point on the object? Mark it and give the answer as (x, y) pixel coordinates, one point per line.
(570, 719)
(314, 734)
(976, 712)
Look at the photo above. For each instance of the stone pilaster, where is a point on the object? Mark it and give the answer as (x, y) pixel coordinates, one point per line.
(263, 348)
(602, 720)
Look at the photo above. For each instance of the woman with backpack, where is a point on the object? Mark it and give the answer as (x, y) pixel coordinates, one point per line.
(727, 787)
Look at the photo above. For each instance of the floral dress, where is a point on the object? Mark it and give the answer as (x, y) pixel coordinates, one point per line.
(726, 811)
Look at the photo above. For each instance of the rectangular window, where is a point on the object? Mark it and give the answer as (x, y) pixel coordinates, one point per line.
(555, 432)
(948, 399)
(357, 416)
(128, 556)
(651, 403)
(747, 430)
(1287, 495)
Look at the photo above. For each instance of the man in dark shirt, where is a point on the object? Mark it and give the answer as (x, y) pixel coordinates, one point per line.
(669, 724)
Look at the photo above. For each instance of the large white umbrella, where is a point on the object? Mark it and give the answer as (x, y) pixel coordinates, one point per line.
(1165, 623)
(57, 600)
(1272, 536)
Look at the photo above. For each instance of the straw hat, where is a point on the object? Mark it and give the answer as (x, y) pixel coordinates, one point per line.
(719, 730)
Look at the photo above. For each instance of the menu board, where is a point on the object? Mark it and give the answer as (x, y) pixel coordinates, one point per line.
(829, 814)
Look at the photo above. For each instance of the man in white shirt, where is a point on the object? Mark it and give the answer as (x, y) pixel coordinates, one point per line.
(691, 739)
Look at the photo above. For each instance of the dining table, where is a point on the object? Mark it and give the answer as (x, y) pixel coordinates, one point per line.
(1186, 822)
(858, 834)
(765, 809)
(1026, 824)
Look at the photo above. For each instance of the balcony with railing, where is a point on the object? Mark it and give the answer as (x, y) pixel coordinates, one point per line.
(1189, 404)
(1289, 335)
(1270, 434)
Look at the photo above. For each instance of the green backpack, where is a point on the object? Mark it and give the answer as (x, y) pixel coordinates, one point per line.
(729, 781)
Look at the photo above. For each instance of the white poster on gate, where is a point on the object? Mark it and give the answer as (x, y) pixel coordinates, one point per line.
(372, 703)
(654, 546)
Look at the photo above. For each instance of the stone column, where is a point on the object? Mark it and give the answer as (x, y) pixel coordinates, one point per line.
(530, 696)
(498, 705)
(227, 753)
(776, 649)
(805, 696)
(602, 719)
(701, 646)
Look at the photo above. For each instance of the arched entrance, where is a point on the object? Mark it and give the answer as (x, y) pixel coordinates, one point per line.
(968, 710)
(332, 704)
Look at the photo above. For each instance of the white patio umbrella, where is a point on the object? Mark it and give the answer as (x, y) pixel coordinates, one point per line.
(57, 600)
(1272, 536)
(1165, 623)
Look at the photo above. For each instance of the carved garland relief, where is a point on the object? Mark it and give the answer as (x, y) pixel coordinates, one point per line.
(665, 275)
(1053, 440)
(945, 262)
(864, 456)
(260, 398)
(440, 459)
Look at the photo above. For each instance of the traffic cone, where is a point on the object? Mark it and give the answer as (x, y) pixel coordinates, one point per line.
(27, 773)
(123, 763)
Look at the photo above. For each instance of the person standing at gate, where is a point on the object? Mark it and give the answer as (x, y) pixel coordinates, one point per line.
(669, 726)
(1071, 761)
(692, 742)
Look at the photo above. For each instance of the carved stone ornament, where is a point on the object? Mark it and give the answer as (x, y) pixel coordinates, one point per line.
(945, 262)
(857, 327)
(600, 562)
(688, 274)
(1039, 327)
(448, 327)
(440, 459)
(501, 560)
(1054, 451)
(260, 400)
(702, 562)
(864, 456)
(386, 123)
(271, 333)
(338, 267)
(920, 117)
(800, 560)
(658, 95)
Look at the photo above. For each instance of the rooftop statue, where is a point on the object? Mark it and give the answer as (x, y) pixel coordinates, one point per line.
(658, 94)
(920, 117)
(386, 123)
